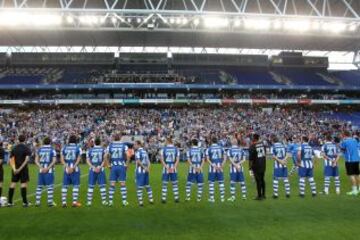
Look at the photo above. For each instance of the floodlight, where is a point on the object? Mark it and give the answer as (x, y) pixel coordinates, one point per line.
(334, 27)
(257, 24)
(237, 22)
(352, 27)
(315, 25)
(277, 24)
(215, 22)
(69, 19)
(300, 26)
(196, 21)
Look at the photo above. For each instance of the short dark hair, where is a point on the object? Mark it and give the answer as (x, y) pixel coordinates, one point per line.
(97, 141)
(22, 138)
(275, 139)
(46, 141)
(138, 142)
(214, 140)
(117, 137)
(347, 133)
(169, 139)
(72, 139)
(256, 137)
(194, 142)
(305, 138)
(328, 137)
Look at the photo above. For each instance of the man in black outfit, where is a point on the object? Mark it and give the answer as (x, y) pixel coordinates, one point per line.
(20, 172)
(257, 162)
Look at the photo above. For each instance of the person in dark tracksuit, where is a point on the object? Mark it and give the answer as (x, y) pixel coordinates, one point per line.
(20, 171)
(257, 161)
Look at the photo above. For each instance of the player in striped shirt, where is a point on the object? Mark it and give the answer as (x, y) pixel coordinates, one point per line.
(195, 158)
(330, 153)
(118, 160)
(45, 159)
(306, 166)
(169, 157)
(96, 161)
(142, 173)
(237, 158)
(215, 155)
(70, 158)
(280, 157)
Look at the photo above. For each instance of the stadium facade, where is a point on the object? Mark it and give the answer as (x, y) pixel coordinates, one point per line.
(179, 52)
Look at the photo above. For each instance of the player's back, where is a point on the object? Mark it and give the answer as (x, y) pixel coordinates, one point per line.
(215, 153)
(331, 152)
(307, 155)
(70, 153)
(118, 153)
(236, 154)
(196, 156)
(279, 151)
(142, 156)
(170, 153)
(96, 155)
(46, 154)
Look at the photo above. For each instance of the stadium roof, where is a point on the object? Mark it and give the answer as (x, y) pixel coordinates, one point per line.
(328, 25)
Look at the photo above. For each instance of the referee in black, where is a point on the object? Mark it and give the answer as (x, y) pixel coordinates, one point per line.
(257, 162)
(20, 172)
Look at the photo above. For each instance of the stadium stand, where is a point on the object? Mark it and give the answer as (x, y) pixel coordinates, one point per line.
(348, 78)
(304, 76)
(186, 74)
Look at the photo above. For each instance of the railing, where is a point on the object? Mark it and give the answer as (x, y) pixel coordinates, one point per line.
(173, 86)
(136, 102)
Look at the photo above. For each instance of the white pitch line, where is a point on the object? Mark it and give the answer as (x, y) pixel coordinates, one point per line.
(44, 189)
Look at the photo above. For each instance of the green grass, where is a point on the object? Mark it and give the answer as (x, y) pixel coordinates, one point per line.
(325, 217)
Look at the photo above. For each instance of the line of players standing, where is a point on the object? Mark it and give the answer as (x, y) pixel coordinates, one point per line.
(115, 155)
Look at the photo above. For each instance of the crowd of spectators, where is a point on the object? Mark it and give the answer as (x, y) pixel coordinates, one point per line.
(153, 125)
(154, 95)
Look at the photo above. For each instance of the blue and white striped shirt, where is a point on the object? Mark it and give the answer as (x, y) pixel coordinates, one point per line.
(279, 151)
(236, 154)
(331, 151)
(46, 154)
(142, 156)
(196, 157)
(216, 155)
(170, 154)
(307, 156)
(117, 152)
(71, 153)
(96, 156)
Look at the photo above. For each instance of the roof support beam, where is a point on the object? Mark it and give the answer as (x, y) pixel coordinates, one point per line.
(235, 5)
(285, 7)
(277, 9)
(203, 5)
(313, 6)
(194, 5)
(185, 6)
(350, 8)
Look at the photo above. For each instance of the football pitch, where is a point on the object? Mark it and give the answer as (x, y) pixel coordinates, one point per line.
(323, 217)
